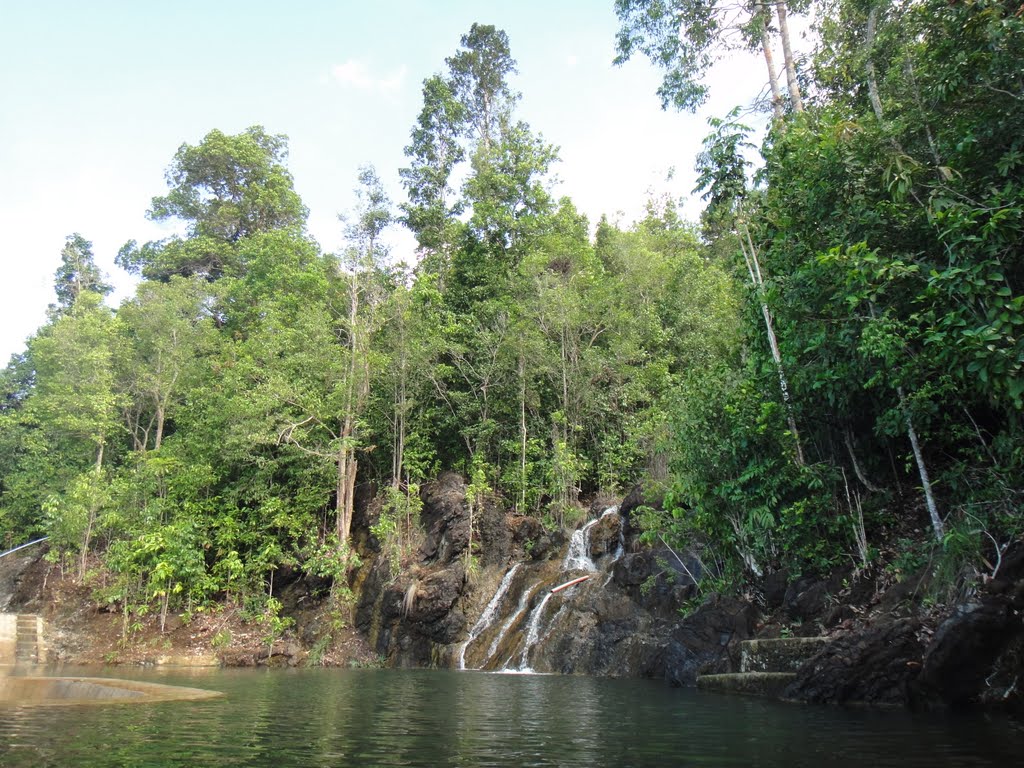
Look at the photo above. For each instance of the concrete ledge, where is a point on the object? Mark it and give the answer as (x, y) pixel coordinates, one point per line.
(82, 690)
(770, 684)
(782, 654)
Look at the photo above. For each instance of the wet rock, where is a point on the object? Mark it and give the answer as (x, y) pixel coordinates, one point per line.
(605, 536)
(877, 665)
(703, 638)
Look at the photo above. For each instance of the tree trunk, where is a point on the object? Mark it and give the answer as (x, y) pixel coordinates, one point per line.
(522, 434)
(754, 270)
(159, 427)
(787, 52)
(926, 485)
(87, 540)
(773, 75)
(869, 64)
(848, 439)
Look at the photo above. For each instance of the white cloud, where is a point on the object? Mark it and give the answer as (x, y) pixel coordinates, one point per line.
(571, 61)
(355, 74)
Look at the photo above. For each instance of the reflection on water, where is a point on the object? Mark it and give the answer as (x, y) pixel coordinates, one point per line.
(342, 718)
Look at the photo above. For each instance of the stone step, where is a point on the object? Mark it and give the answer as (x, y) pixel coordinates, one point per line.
(26, 645)
(781, 654)
(770, 684)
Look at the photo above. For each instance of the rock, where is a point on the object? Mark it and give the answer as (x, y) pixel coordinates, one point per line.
(493, 533)
(805, 599)
(639, 496)
(536, 541)
(703, 638)
(632, 569)
(445, 518)
(774, 589)
(964, 649)
(877, 665)
(605, 536)
(434, 596)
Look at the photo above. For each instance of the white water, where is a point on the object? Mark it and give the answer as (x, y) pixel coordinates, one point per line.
(578, 557)
(487, 617)
(533, 633)
(524, 602)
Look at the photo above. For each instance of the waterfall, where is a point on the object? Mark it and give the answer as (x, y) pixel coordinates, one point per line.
(487, 617)
(532, 633)
(524, 602)
(578, 557)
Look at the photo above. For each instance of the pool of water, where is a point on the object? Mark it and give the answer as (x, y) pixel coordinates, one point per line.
(341, 718)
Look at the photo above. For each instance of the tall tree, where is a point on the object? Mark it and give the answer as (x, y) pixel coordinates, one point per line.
(686, 37)
(479, 80)
(433, 153)
(74, 406)
(77, 273)
(224, 189)
(363, 260)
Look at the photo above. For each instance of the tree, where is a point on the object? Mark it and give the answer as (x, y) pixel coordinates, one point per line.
(77, 274)
(479, 81)
(363, 260)
(685, 37)
(224, 189)
(434, 151)
(168, 330)
(74, 407)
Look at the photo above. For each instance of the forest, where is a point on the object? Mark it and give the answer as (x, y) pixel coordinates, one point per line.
(825, 369)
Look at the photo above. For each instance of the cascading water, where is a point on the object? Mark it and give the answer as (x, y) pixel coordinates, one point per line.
(533, 629)
(576, 559)
(488, 616)
(524, 603)
(532, 633)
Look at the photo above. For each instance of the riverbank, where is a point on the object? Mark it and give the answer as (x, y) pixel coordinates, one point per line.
(635, 611)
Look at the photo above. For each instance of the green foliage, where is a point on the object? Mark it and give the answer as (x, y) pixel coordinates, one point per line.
(77, 274)
(212, 430)
(395, 528)
(736, 483)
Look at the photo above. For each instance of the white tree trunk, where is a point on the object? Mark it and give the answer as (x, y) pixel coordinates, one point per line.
(773, 75)
(787, 52)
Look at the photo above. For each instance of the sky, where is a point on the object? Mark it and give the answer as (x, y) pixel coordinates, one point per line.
(95, 98)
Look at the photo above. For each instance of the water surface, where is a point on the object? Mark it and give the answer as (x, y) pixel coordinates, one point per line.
(342, 718)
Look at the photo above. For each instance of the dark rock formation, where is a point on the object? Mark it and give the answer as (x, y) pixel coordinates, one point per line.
(976, 654)
(876, 666)
(625, 618)
(445, 518)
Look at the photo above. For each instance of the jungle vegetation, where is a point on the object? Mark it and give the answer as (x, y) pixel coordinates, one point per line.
(827, 365)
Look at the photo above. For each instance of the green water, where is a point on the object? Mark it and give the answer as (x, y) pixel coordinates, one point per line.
(343, 718)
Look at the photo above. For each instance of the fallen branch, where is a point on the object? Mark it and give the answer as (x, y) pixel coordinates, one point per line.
(568, 584)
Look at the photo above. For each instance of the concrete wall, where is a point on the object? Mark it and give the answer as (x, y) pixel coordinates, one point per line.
(8, 637)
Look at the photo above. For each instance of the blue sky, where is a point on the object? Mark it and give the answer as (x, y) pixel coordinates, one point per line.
(95, 98)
